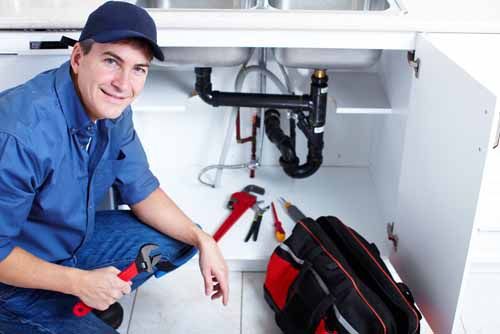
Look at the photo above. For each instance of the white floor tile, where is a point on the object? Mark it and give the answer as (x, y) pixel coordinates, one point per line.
(126, 302)
(257, 316)
(176, 304)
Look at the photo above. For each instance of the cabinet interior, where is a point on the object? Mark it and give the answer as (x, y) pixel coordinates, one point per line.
(358, 181)
(366, 141)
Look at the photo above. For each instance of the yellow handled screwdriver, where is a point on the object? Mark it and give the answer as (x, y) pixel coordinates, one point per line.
(278, 227)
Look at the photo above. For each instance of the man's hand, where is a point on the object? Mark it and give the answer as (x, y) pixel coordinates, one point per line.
(100, 288)
(214, 269)
(160, 212)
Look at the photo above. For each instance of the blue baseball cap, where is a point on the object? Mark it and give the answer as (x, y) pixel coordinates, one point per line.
(118, 20)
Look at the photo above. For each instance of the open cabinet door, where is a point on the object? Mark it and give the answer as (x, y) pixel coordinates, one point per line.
(445, 147)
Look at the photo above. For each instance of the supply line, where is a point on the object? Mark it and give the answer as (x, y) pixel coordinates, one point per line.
(240, 79)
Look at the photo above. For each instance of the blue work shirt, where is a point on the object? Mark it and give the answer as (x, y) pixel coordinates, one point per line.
(49, 183)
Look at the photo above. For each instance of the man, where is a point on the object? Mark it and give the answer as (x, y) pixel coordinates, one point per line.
(66, 136)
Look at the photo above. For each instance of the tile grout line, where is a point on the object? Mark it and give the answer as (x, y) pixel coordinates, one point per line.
(132, 310)
(241, 301)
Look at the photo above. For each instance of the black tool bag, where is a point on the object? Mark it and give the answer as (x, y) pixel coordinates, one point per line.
(326, 278)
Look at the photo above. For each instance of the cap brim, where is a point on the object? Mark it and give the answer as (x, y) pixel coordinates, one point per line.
(68, 41)
(116, 35)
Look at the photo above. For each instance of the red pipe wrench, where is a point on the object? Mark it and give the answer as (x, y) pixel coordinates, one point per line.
(143, 262)
(239, 203)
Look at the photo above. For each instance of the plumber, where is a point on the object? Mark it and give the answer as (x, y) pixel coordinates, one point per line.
(66, 137)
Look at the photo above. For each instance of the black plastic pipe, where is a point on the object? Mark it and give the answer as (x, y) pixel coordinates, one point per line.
(253, 100)
(312, 126)
(279, 138)
(289, 160)
(215, 98)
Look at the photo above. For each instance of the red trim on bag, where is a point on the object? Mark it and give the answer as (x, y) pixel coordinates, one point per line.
(346, 273)
(384, 272)
(321, 329)
(279, 277)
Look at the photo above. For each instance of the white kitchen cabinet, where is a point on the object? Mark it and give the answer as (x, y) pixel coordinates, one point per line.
(422, 163)
(446, 143)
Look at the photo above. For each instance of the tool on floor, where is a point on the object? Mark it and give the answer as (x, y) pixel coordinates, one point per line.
(292, 211)
(253, 232)
(279, 232)
(239, 203)
(143, 262)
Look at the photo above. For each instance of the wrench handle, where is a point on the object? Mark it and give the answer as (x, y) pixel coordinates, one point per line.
(128, 273)
(229, 222)
(81, 309)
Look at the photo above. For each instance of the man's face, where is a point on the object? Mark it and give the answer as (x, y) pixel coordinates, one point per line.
(109, 77)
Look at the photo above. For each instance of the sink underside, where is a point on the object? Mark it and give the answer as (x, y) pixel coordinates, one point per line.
(327, 58)
(288, 57)
(205, 56)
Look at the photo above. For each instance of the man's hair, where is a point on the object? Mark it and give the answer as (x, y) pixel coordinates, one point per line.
(137, 43)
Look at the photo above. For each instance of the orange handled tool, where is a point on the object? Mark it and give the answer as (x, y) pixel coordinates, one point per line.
(278, 227)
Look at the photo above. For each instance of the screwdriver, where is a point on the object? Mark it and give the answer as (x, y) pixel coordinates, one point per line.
(278, 227)
(292, 210)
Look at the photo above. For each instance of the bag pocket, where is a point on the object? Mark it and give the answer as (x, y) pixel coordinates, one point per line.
(297, 294)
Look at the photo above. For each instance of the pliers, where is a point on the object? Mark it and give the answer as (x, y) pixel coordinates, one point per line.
(253, 232)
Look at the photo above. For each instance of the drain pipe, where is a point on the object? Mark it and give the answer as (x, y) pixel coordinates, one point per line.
(215, 98)
(311, 125)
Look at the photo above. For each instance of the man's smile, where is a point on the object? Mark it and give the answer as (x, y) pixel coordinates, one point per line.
(113, 95)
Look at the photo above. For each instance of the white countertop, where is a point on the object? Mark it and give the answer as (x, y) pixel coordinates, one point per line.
(480, 16)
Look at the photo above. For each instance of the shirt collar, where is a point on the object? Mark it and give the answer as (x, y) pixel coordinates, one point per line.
(72, 107)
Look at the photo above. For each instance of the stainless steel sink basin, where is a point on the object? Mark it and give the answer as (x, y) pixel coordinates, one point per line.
(205, 56)
(333, 58)
(327, 58)
(330, 4)
(202, 56)
(198, 4)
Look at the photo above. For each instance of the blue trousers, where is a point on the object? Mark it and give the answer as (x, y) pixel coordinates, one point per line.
(115, 242)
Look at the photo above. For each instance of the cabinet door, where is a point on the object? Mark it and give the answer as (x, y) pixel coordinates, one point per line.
(15, 70)
(445, 147)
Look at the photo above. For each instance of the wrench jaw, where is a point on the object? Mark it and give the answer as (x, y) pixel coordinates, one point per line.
(245, 196)
(252, 188)
(154, 262)
(144, 261)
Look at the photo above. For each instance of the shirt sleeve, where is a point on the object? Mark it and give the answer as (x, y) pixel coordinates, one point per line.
(19, 177)
(134, 179)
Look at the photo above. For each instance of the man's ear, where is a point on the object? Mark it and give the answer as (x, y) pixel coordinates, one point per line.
(76, 57)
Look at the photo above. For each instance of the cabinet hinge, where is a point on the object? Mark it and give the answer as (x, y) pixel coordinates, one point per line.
(392, 236)
(497, 136)
(414, 63)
